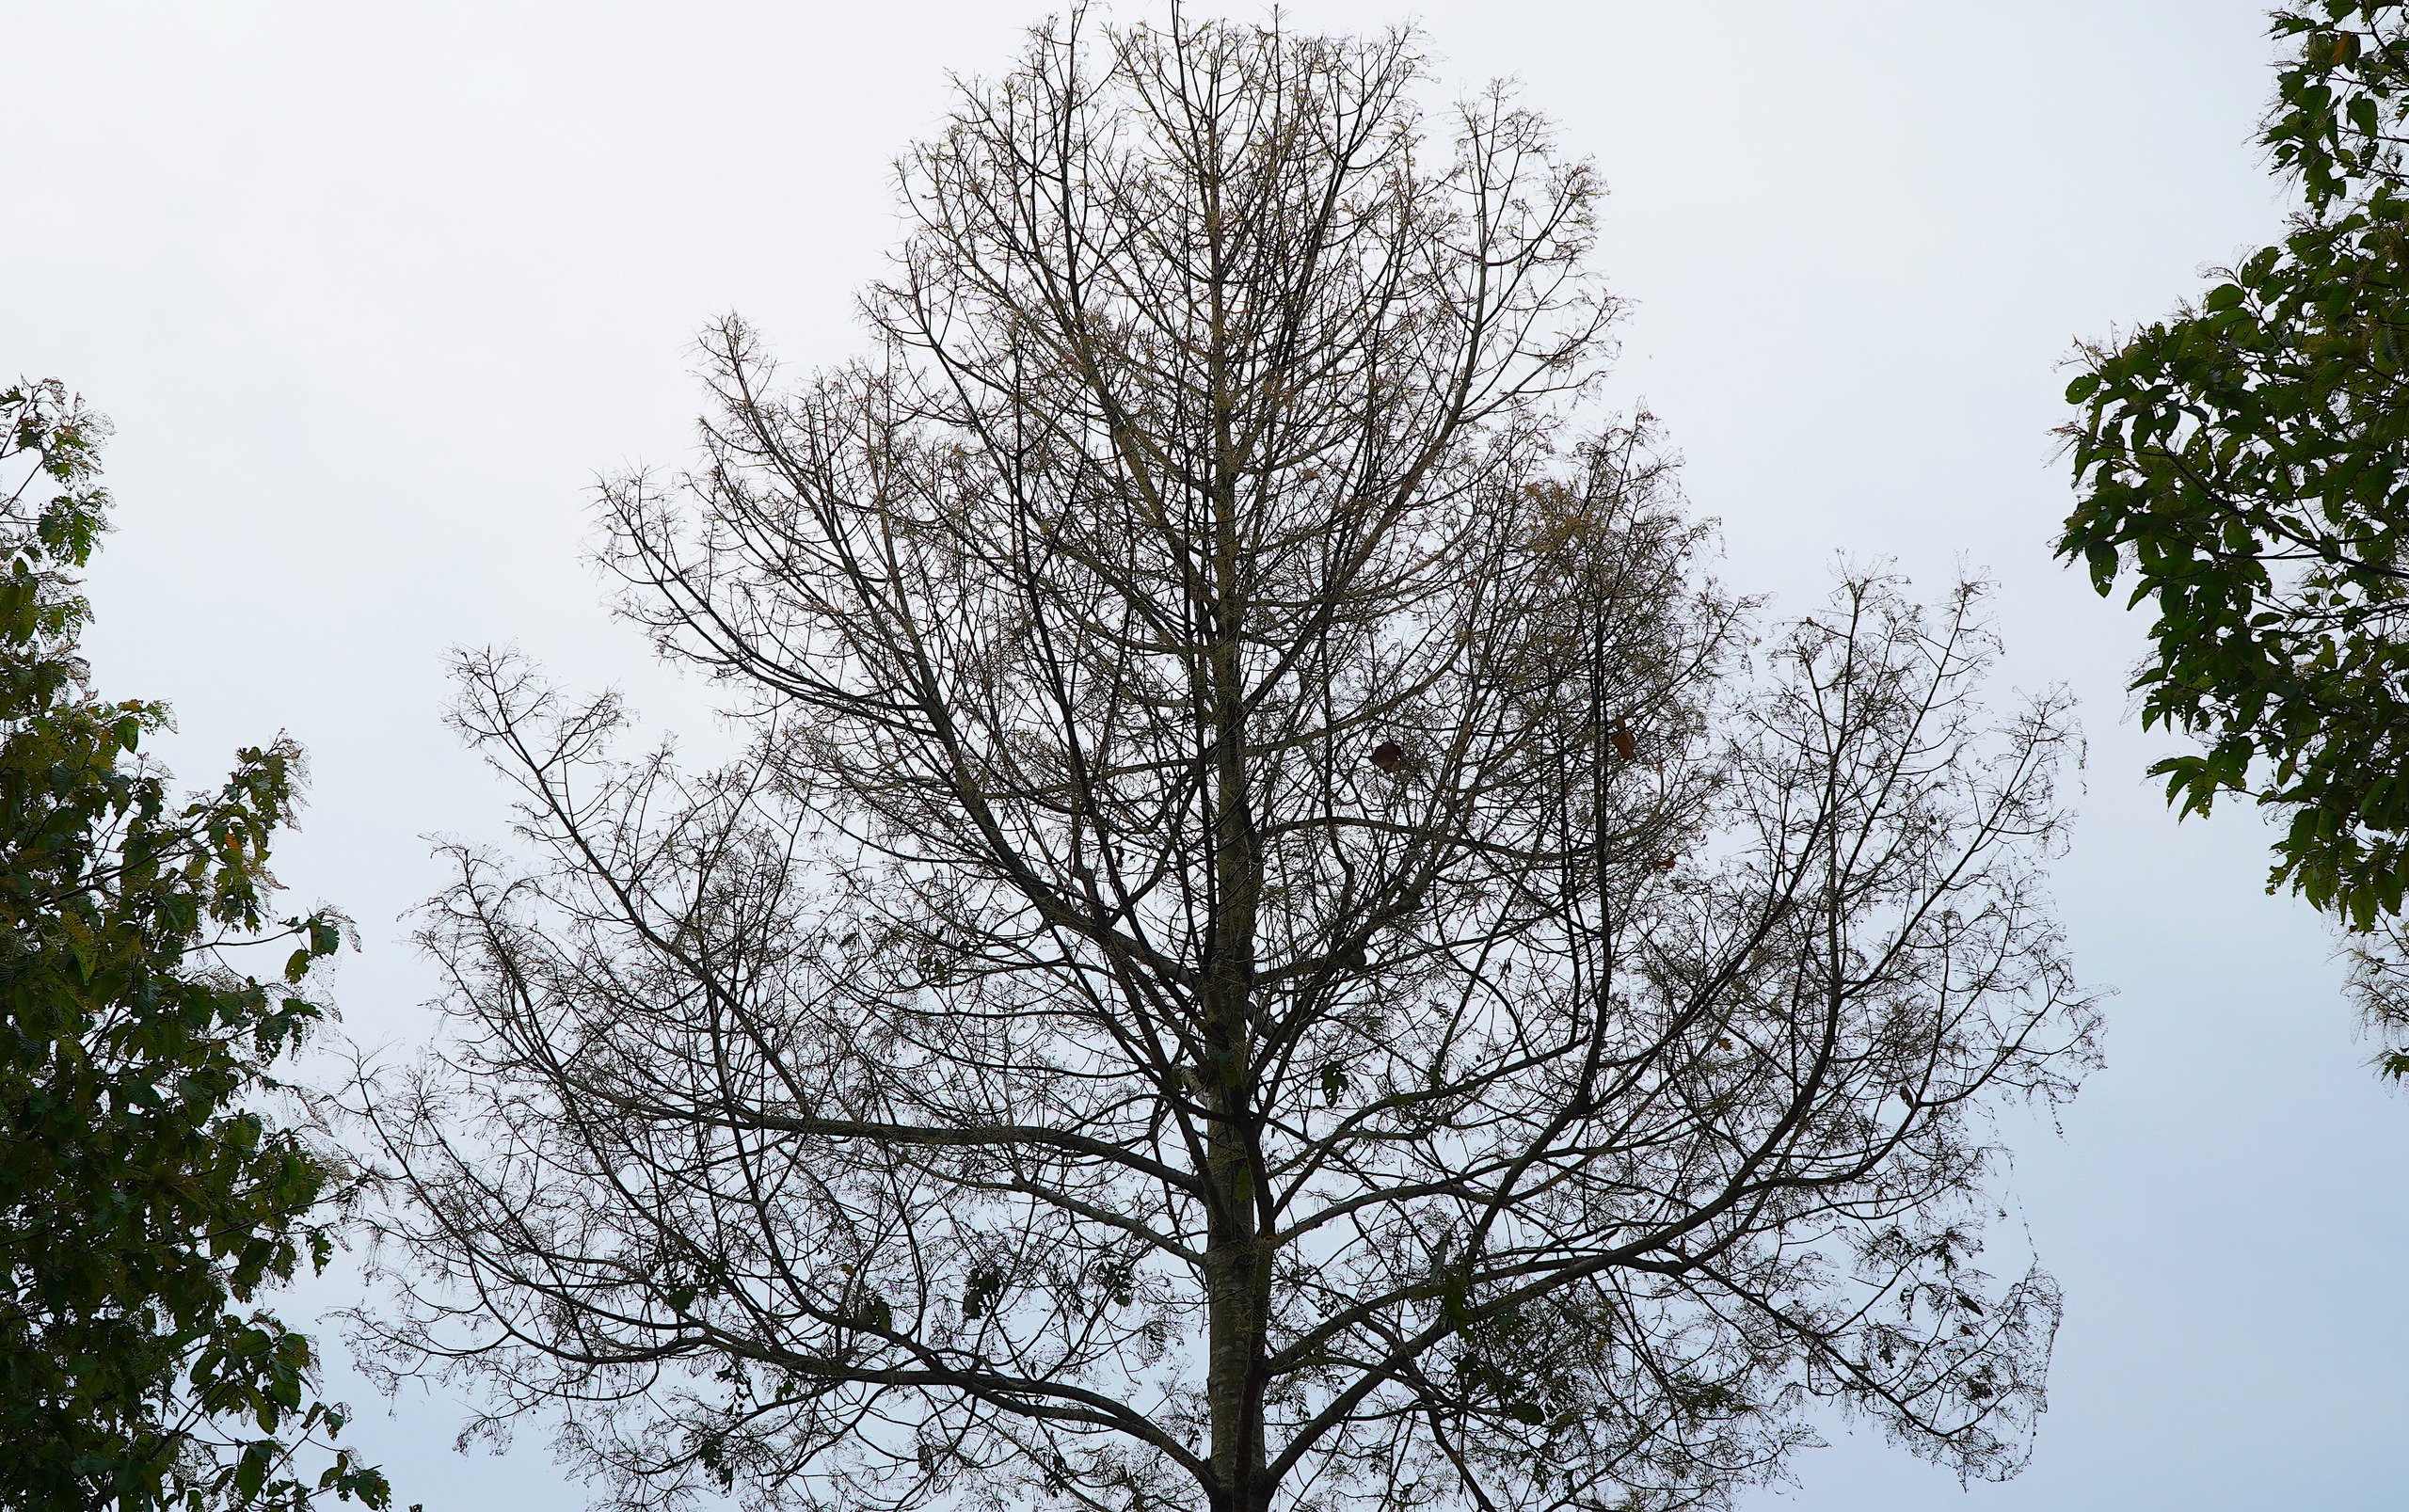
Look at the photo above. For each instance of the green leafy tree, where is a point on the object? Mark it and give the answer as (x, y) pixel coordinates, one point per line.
(2245, 467)
(144, 1199)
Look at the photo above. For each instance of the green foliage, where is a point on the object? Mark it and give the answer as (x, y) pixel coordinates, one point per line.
(2246, 464)
(144, 1199)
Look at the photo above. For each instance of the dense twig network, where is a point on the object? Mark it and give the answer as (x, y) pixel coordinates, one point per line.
(1266, 945)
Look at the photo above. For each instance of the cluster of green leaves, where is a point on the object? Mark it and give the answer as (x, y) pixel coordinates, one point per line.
(2245, 466)
(144, 1201)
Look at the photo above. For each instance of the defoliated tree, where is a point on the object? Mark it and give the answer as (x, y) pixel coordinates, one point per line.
(1264, 948)
(2245, 466)
(144, 1201)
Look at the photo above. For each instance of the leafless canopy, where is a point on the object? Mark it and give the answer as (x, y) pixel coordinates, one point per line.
(1268, 946)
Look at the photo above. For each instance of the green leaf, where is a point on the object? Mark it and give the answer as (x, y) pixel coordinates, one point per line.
(2241, 479)
(153, 1199)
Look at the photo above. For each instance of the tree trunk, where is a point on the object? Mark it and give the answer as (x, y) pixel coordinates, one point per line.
(1238, 1272)
(1235, 1297)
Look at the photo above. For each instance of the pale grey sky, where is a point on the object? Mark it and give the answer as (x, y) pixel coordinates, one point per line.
(373, 292)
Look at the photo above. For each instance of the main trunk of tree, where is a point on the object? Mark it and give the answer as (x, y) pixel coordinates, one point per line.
(1237, 1273)
(1236, 1296)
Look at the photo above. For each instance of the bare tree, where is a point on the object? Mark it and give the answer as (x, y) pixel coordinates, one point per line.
(1267, 944)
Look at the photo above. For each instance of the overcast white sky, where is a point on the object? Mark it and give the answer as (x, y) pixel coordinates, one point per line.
(372, 293)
